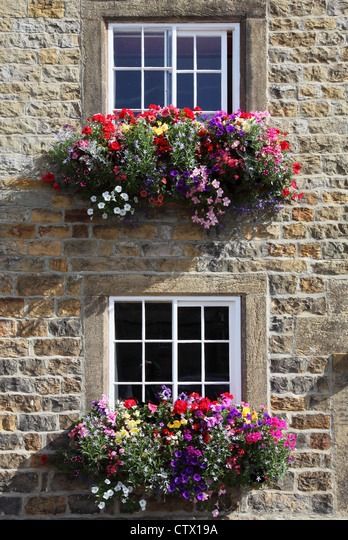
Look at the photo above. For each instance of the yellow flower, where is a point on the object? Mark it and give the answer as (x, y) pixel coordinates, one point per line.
(134, 431)
(176, 424)
(162, 128)
(245, 411)
(122, 434)
(125, 127)
(254, 416)
(184, 421)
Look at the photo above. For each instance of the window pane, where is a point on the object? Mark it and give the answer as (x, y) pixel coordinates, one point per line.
(188, 388)
(216, 322)
(189, 362)
(126, 391)
(184, 86)
(184, 51)
(152, 392)
(128, 362)
(213, 391)
(158, 362)
(128, 320)
(189, 323)
(128, 89)
(209, 52)
(158, 317)
(209, 91)
(216, 361)
(154, 87)
(154, 49)
(127, 47)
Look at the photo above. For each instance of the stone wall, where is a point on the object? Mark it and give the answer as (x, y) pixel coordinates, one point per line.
(49, 249)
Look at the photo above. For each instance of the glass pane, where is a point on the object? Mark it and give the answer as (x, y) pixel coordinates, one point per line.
(128, 320)
(188, 388)
(209, 52)
(158, 362)
(152, 392)
(128, 362)
(213, 391)
(154, 49)
(126, 391)
(154, 88)
(189, 362)
(189, 323)
(127, 47)
(128, 89)
(184, 51)
(216, 361)
(209, 91)
(158, 320)
(216, 322)
(184, 87)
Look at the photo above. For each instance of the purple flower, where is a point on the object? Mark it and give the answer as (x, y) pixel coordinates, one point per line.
(197, 477)
(186, 495)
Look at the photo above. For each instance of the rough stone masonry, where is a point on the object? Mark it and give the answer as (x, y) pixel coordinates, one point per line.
(49, 247)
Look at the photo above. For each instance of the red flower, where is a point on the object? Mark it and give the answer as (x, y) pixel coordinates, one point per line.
(86, 130)
(143, 194)
(43, 459)
(296, 167)
(245, 115)
(189, 113)
(286, 192)
(129, 403)
(98, 118)
(227, 395)
(56, 186)
(284, 145)
(180, 406)
(204, 404)
(48, 178)
(114, 145)
(206, 437)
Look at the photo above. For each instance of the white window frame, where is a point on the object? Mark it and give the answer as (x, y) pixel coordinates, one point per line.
(234, 305)
(187, 29)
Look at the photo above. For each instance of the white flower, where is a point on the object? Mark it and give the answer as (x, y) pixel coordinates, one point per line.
(106, 196)
(118, 189)
(93, 198)
(127, 207)
(95, 489)
(101, 205)
(107, 481)
(119, 486)
(90, 211)
(117, 210)
(101, 505)
(135, 199)
(124, 196)
(104, 216)
(122, 212)
(142, 504)
(110, 492)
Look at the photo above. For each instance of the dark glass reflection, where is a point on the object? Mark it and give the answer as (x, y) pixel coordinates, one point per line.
(158, 320)
(184, 51)
(184, 86)
(216, 361)
(154, 87)
(128, 362)
(188, 388)
(128, 89)
(128, 320)
(189, 323)
(154, 49)
(216, 320)
(158, 362)
(209, 91)
(212, 391)
(208, 52)
(126, 391)
(127, 47)
(189, 362)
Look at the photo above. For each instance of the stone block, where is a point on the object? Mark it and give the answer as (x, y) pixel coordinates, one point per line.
(59, 346)
(65, 327)
(49, 505)
(338, 296)
(312, 285)
(33, 441)
(45, 247)
(288, 403)
(40, 215)
(69, 308)
(320, 441)
(11, 307)
(39, 308)
(32, 328)
(7, 328)
(20, 403)
(12, 348)
(37, 422)
(314, 481)
(311, 251)
(11, 506)
(8, 422)
(40, 285)
(19, 482)
(308, 330)
(282, 250)
(310, 421)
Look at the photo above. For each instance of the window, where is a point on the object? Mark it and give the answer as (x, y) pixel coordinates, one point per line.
(188, 344)
(184, 65)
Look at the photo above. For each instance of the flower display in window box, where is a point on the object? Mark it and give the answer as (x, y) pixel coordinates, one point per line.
(194, 448)
(163, 154)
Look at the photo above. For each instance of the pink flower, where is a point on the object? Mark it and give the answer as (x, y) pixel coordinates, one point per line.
(251, 438)
(152, 407)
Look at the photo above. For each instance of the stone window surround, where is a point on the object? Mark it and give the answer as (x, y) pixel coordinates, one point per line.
(252, 288)
(96, 14)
